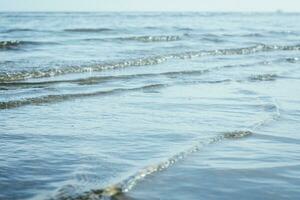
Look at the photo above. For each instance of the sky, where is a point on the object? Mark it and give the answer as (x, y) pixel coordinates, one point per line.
(150, 5)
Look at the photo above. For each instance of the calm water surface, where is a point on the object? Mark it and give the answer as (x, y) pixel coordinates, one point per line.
(149, 106)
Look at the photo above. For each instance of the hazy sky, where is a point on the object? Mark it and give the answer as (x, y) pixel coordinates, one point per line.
(149, 5)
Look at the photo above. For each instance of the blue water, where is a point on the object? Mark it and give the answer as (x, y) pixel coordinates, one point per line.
(149, 106)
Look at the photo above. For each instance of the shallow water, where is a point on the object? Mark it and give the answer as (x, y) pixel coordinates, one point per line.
(149, 106)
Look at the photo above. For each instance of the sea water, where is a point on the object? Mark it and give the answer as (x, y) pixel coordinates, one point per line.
(149, 106)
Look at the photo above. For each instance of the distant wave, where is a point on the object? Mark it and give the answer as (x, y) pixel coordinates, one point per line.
(17, 30)
(292, 59)
(152, 60)
(213, 39)
(253, 35)
(245, 35)
(9, 44)
(146, 38)
(183, 28)
(262, 34)
(154, 38)
(14, 44)
(287, 32)
(263, 77)
(88, 30)
(225, 36)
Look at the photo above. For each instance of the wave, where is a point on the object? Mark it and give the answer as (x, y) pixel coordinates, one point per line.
(22, 75)
(152, 60)
(9, 44)
(150, 38)
(245, 35)
(263, 77)
(64, 97)
(215, 40)
(253, 35)
(284, 33)
(101, 79)
(146, 38)
(292, 59)
(88, 30)
(15, 44)
(183, 28)
(262, 34)
(118, 190)
(18, 30)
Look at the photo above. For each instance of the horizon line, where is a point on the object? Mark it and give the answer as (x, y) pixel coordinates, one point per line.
(156, 11)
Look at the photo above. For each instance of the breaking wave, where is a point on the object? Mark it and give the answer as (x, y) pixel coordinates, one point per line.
(118, 190)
